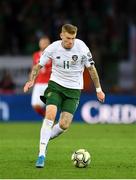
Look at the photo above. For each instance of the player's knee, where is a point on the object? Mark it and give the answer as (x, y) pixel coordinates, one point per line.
(50, 115)
(64, 124)
(51, 112)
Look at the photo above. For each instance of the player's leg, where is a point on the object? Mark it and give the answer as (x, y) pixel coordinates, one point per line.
(69, 106)
(63, 124)
(46, 128)
(53, 100)
(36, 103)
(45, 133)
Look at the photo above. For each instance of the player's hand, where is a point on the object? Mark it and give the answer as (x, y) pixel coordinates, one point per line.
(101, 96)
(28, 85)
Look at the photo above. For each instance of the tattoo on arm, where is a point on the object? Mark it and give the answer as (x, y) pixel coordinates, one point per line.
(94, 76)
(34, 72)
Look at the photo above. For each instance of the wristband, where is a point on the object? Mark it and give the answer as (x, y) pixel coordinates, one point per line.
(98, 89)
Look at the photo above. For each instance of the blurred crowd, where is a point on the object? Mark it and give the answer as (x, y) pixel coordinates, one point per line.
(7, 84)
(103, 25)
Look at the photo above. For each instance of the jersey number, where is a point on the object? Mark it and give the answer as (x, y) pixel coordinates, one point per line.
(66, 64)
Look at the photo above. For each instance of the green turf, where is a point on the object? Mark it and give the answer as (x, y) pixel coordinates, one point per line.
(113, 150)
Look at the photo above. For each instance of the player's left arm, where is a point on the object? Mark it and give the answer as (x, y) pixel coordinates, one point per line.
(95, 78)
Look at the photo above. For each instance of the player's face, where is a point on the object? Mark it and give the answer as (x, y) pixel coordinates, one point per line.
(67, 39)
(43, 43)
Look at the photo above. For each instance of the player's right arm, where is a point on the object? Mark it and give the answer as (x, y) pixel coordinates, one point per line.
(35, 70)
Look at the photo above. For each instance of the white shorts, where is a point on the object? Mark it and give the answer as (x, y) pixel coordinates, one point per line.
(38, 90)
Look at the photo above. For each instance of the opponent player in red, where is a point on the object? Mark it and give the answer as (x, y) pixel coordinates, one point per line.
(42, 79)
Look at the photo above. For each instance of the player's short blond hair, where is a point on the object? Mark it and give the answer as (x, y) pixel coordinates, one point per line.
(69, 28)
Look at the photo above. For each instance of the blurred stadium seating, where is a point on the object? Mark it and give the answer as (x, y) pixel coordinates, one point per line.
(108, 27)
(104, 25)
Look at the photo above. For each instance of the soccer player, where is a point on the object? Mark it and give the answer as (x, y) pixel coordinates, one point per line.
(42, 79)
(69, 57)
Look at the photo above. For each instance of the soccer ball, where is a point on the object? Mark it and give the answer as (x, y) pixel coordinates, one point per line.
(81, 158)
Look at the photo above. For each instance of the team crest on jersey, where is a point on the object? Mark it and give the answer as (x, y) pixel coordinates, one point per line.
(74, 59)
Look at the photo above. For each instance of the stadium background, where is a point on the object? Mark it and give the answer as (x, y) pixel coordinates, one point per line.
(109, 29)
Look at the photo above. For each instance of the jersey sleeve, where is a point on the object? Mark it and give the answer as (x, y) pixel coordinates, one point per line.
(89, 60)
(87, 56)
(46, 55)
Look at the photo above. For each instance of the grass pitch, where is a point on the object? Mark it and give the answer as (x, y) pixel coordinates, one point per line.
(113, 150)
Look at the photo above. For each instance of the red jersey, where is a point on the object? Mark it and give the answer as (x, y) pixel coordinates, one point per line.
(45, 72)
